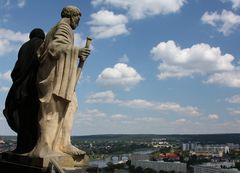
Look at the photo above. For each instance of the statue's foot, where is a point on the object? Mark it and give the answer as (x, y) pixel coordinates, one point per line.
(72, 150)
(43, 152)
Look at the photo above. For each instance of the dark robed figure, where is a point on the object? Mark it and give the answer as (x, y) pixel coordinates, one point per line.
(21, 106)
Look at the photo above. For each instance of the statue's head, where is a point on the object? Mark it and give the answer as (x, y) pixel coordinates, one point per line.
(73, 13)
(37, 32)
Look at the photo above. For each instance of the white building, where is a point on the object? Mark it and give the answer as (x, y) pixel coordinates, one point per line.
(160, 165)
(135, 157)
(208, 169)
(185, 147)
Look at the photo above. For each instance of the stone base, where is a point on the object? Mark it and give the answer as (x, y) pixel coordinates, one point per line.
(9, 167)
(12, 162)
(63, 161)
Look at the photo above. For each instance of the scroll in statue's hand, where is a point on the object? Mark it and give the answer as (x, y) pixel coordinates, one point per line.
(84, 53)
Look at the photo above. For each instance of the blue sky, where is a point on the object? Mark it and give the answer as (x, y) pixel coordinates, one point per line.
(157, 66)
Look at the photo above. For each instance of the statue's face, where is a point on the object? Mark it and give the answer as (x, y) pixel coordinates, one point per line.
(75, 22)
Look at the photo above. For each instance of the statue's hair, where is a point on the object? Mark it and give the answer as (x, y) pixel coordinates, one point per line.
(70, 11)
(37, 32)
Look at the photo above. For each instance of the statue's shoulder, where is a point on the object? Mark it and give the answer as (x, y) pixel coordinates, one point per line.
(62, 24)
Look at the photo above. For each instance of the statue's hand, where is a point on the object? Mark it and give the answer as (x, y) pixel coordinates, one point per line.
(84, 53)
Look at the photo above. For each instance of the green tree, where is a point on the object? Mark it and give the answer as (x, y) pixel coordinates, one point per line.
(131, 169)
(237, 165)
(149, 170)
(139, 169)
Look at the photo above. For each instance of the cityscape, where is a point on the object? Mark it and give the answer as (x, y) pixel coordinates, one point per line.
(156, 153)
(132, 86)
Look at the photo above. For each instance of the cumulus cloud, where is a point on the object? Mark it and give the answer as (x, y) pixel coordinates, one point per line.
(109, 97)
(106, 24)
(229, 79)
(11, 40)
(225, 22)
(139, 9)
(213, 116)
(121, 75)
(198, 59)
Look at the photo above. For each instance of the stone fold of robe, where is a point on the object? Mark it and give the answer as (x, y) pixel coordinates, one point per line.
(23, 90)
(58, 64)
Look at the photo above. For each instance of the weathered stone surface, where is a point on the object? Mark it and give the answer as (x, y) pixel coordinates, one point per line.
(63, 161)
(13, 163)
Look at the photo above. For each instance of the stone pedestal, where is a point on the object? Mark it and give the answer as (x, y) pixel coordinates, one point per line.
(13, 163)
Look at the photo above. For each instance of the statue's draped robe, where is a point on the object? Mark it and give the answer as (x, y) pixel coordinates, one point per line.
(57, 78)
(21, 106)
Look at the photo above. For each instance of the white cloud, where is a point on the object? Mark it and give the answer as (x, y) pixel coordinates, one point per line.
(139, 9)
(154, 125)
(228, 127)
(124, 59)
(94, 121)
(106, 24)
(213, 116)
(78, 40)
(21, 3)
(101, 97)
(161, 106)
(235, 3)
(118, 117)
(233, 111)
(8, 4)
(226, 22)
(121, 75)
(4, 89)
(6, 8)
(198, 59)
(229, 79)
(5, 4)
(6, 76)
(234, 99)
(11, 40)
(91, 115)
(181, 121)
(149, 120)
(109, 97)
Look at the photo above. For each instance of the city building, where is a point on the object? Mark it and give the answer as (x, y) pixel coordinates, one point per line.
(136, 157)
(160, 143)
(209, 169)
(170, 156)
(160, 165)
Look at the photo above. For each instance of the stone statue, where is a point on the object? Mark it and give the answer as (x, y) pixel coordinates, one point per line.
(60, 65)
(21, 106)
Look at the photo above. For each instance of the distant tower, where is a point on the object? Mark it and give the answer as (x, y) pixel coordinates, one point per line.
(226, 150)
(185, 146)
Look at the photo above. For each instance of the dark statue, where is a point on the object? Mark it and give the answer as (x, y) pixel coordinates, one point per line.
(21, 106)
